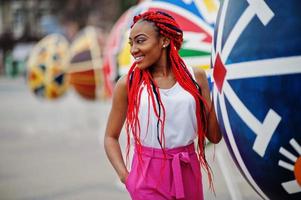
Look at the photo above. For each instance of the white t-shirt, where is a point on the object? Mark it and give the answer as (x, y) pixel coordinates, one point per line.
(180, 127)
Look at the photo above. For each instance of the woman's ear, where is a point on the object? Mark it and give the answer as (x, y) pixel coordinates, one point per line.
(165, 41)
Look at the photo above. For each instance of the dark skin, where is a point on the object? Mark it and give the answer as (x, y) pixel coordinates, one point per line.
(150, 52)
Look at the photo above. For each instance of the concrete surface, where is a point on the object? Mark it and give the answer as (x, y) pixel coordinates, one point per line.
(53, 150)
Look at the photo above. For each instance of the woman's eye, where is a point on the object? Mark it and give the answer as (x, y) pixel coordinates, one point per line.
(140, 41)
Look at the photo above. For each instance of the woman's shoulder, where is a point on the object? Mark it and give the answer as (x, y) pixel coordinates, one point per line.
(122, 82)
(200, 74)
(120, 89)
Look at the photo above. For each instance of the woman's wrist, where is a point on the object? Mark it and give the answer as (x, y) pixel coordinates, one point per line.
(123, 177)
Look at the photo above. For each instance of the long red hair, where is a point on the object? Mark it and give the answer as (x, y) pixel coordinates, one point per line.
(168, 27)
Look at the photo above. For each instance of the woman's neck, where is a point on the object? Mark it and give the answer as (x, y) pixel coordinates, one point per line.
(160, 71)
(162, 67)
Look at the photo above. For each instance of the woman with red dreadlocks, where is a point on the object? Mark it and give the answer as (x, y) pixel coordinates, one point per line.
(166, 106)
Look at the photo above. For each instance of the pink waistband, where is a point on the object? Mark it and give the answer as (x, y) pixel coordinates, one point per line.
(170, 153)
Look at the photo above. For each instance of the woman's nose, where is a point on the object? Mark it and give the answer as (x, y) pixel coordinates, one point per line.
(134, 49)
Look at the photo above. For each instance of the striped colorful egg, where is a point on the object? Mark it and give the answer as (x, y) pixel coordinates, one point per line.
(86, 74)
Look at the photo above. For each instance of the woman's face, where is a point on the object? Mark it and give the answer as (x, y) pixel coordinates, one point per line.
(146, 45)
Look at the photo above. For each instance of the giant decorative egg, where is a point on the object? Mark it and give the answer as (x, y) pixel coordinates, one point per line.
(196, 18)
(86, 73)
(114, 45)
(47, 65)
(256, 60)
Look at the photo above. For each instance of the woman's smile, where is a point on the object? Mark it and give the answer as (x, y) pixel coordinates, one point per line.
(138, 59)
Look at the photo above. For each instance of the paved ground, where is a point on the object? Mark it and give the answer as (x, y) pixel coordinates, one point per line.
(53, 150)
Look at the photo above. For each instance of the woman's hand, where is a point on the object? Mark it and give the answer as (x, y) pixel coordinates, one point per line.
(124, 177)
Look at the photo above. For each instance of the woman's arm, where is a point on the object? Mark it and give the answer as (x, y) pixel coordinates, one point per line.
(213, 133)
(115, 123)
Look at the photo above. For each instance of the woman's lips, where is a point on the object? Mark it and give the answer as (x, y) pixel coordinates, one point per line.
(139, 59)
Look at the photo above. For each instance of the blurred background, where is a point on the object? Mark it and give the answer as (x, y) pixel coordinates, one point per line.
(25, 22)
(56, 80)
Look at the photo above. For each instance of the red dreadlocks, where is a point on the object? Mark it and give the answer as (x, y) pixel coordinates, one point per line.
(168, 27)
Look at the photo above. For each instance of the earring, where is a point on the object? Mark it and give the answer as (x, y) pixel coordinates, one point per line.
(164, 46)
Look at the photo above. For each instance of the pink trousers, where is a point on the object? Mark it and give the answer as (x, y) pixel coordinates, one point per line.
(178, 176)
